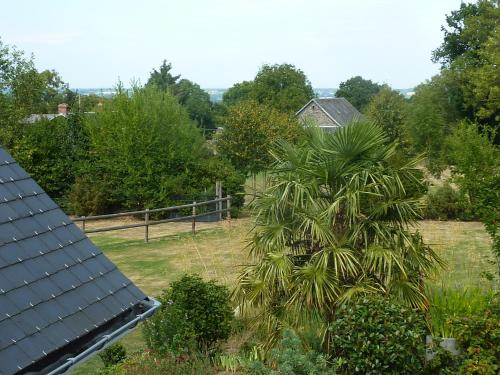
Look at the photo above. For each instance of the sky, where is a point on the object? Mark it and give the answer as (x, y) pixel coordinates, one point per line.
(218, 43)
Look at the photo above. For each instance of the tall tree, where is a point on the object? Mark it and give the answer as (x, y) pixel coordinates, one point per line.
(388, 110)
(282, 86)
(470, 51)
(162, 78)
(432, 114)
(466, 30)
(197, 103)
(24, 90)
(358, 91)
(238, 92)
(250, 129)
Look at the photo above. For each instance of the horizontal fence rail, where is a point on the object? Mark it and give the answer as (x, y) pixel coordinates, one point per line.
(219, 202)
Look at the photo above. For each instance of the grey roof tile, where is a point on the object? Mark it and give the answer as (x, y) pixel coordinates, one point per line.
(55, 284)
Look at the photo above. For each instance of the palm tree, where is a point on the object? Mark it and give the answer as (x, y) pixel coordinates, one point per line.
(334, 222)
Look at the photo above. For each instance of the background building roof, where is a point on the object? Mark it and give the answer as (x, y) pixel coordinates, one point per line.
(338, 109)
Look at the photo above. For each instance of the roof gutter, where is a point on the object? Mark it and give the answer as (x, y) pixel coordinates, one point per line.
(106, 340)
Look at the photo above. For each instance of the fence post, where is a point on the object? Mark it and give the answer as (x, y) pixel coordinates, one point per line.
(146, 226)
(228, 208)
(193, 223)
(219, 196)
(83, 223)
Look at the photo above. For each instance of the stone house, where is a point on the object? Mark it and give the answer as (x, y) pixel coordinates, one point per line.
(329, 113)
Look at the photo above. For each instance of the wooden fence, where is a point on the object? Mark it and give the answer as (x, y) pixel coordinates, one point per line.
(219, 204)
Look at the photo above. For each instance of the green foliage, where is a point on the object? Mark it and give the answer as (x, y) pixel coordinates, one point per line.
(470, 52)
(479, 338)
(145, 152)
(162, 79)
(483, 91)
(446, 304)
(432, 115)
(476, 170)
(249, 133)
(290, 358)
(191, 96)
(333, 223)
(468, 28)
(447, 203)
(378, 336)
(280, 86)
(283, 87)
(52, 152)
(113, 355)
(237, 93)
(388, 110)
(195, 315)
(358, 91)
(197, 103)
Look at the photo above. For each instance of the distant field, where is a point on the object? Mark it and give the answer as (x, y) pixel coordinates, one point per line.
(217, 251)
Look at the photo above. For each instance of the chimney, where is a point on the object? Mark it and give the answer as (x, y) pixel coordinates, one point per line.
(62, 109)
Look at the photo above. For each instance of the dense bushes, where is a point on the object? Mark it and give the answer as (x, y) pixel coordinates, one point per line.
(195, 316)
(146, 152)
(377, 336)
(53, 152)
(474, 320)
(447, 203)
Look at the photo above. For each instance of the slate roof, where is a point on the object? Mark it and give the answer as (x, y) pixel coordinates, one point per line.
(338, 109)
(58, 291)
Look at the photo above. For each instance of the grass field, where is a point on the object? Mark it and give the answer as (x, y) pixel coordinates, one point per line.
(217, 251)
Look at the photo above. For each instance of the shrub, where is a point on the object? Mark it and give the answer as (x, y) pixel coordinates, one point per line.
(479, 338)
(447, 304)
(445, 203)
(52, 152)
(377, 336)
(195, 315)
(113, 355)
(290, 358)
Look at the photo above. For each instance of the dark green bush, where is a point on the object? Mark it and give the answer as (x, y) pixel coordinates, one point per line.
(446, 203)
(290, 358)
(113, 355)
(145, 152)
(195, 316)
(53, 152)
(479, 338)
(377, 336)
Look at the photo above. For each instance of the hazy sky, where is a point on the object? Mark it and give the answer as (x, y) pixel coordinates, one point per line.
(217, 43)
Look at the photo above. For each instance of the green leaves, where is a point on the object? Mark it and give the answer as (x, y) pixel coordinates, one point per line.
(334, 224)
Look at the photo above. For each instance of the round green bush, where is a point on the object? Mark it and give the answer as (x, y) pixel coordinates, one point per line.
(195, 316)
(374, 335)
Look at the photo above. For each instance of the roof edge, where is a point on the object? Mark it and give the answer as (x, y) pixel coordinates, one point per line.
(106, 340)
(322, 109)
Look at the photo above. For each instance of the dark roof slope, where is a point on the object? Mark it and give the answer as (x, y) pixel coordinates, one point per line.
(57, 289)
(339, 109)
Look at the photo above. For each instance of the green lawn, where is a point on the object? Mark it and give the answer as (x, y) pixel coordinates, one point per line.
(218, 253)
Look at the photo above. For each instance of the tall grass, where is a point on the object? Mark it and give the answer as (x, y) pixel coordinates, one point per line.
(449, 303)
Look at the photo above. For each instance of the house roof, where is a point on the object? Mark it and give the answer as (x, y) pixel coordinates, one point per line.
(60, 296)
(31, 119)
(338, 109)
